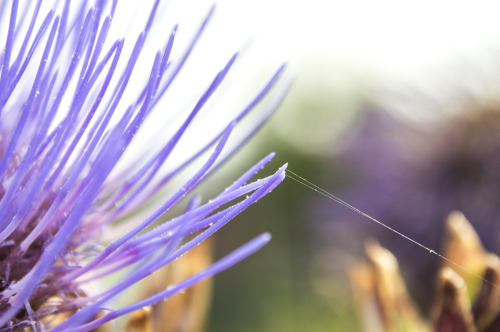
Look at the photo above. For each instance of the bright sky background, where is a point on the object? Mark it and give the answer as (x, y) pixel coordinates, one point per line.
(389, 35)
(336, 43)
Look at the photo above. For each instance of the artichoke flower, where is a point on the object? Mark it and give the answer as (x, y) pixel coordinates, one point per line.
(93, 201)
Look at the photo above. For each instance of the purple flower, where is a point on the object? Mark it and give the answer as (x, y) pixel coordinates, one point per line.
(411, 175)
(64, 128)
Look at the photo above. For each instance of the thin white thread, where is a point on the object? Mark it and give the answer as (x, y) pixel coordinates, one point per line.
(297, 178)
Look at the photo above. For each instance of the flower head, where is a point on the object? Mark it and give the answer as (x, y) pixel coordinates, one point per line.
(65, 126)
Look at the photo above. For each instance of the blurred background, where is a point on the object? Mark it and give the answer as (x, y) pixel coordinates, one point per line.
(395, 108)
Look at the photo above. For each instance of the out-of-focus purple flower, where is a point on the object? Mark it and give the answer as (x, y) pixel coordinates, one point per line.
(64, 128)
(411, 175)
